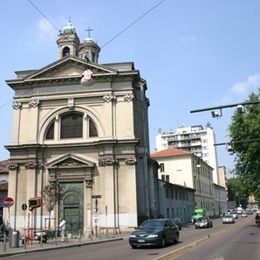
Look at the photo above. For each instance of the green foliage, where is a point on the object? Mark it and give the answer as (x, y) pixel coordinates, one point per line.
(237, 191)
(245, 135)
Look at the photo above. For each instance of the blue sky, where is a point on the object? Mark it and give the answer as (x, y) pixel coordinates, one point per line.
(193, 54)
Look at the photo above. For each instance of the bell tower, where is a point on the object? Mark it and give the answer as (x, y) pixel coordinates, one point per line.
(68, 41)
(89, 49)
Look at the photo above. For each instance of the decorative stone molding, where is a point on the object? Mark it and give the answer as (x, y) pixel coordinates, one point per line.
(34, 103)
(128, 97)
(30, 165)
(17, 105)
(130, 161)
(107, 98)
(71, 103)
(107, 162)
(89, 183)
(13, 166)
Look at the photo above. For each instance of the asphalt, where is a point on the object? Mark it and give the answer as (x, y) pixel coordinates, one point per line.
(53, 244)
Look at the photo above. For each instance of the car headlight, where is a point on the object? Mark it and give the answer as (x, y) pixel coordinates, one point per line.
(132, 235)
(152, 235)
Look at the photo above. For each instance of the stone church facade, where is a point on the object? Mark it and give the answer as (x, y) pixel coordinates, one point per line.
(81, 128)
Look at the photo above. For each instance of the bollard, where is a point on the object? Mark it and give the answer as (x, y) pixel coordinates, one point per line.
(79, 236)
(4, 242)
(66, 239)
(41, 239)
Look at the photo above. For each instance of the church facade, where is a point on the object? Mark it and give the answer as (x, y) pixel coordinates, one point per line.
(80, 142)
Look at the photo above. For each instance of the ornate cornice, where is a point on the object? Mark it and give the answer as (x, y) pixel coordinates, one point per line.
(30, 165)
(34, 103)
(107, 162)
(128, 97)
(108, 98)
(17, 105)
(13, 166)
(130, 161)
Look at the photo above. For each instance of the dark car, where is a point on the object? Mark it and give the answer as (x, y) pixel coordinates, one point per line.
(154, 232)
(177, 222)
(204, 222)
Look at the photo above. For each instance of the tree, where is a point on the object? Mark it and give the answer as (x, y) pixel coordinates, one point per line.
(237, 191)
(51, 193)
(245, 139)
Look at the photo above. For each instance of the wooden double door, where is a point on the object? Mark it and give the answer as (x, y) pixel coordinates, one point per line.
(71, 207)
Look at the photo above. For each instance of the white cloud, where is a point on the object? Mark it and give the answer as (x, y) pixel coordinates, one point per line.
(248, 86)
(46, 30)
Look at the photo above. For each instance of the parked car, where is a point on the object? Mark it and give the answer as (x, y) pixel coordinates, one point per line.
(244, 214)
(197, 214)
(177, 222)
(204, 222)
(228, 218)
(154, 232)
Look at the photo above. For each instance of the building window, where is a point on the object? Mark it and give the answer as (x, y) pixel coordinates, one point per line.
(65, 51)
(163, 177)
(71, 125)
(92, 129)
(161, 167)
(50, 131)
(167, 178)
(166, 193)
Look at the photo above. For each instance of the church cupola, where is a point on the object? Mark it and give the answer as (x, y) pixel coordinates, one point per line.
(68, 41)
(89, 49)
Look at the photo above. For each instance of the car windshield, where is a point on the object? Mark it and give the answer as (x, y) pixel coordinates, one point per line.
(153, 224)
(202, 219)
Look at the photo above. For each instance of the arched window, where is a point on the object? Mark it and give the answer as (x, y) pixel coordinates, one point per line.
(92, 129)
(50, 131)
(71, 125)
(65, 51)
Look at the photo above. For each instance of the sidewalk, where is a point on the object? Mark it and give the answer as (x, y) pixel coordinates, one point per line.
(53, 244)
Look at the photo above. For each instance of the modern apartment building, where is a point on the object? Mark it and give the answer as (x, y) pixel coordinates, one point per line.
(195, 139)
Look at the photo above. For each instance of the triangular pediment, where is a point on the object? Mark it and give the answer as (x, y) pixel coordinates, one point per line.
(70, 161)
(69, 67)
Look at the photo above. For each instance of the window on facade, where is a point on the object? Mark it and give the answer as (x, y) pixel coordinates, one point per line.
(65, 51)
(71, 125)
(50, 131)
(163, 177)
(167, 178)
(92, 129)
(161, 167)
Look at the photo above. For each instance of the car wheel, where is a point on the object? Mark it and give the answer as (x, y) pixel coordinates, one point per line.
(163, 242)
(133, 246)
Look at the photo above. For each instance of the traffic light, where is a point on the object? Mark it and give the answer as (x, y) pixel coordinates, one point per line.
(35, 203)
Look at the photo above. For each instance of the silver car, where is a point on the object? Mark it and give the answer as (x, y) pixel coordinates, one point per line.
(228, 219)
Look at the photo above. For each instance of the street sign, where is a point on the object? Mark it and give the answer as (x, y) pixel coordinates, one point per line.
(8, 202)
(96, 196)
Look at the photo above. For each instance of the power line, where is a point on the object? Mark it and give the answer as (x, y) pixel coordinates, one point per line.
(38, 9)
(134, 22)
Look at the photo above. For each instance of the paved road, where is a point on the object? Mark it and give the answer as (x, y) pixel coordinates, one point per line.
(241, 243)
(121, 249)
